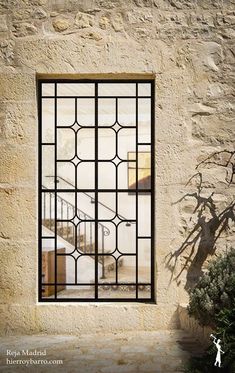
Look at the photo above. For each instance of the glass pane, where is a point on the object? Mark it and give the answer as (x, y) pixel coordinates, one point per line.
(61, 270)
(144, 120)
(107, 269)
(144, 215)
(48, 166)
(123, 175)
(65, 175)
(126, 206)
(106, 112)
(86, 269)
(127, 233)
(77, 292)
(126, 142)
(65, 205)
(48, 213)
(107, 175)
(65, 112)
(144, 89)
(127, 112)
(144, 260)
(48, 89)
(86, 234)
(86, 144)
(144, 292)
(48, 121)
(107, 206)
(86, 112)
(127, 269)
(144, 168)
(116, 89)
(75, 89)
(117, 291)
(106, 144)
(86, 175)
(48, 291)
(65, 144)
(66, 231)
(106, 237)
(48, 244)
(48, 267)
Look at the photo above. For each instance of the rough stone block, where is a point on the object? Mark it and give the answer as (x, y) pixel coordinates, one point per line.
(18, 272)
(18, 122)
(83, 20)
(18, 213)
(60, 24)
(17, 86)
(3, 23)
(17, 164)
(17, 319)
(212, 130)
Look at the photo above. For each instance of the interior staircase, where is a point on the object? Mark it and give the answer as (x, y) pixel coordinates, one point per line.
(76, 228)
(67, 233)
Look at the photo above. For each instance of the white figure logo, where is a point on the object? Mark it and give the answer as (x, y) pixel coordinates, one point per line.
(219, 351)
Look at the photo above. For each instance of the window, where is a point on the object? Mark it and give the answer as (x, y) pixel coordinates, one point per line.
(96, 190)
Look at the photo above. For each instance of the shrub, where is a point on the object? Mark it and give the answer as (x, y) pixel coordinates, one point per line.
(212, 302)
(225, 331)
(215, 290)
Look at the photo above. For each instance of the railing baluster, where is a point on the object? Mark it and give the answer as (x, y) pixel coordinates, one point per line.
(103, 271)
(85, 248)
(91, 238)
(67, 217)
(74, 230)
(44, 206)
(79, 236)
(62, 225)
(50, 211)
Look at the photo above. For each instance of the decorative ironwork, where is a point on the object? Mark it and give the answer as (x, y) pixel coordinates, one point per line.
(83, 232)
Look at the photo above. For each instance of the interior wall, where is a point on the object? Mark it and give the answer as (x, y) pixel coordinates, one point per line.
(188, 47)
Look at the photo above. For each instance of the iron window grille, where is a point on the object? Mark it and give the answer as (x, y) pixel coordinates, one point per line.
(71, 234)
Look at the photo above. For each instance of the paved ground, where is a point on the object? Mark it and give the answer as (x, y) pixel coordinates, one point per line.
(131, 352)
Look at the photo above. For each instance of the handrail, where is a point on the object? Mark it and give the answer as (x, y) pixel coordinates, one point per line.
(93, 200)
(106, 229)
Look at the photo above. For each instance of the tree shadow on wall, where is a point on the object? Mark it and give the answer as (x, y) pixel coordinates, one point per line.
(209, 222)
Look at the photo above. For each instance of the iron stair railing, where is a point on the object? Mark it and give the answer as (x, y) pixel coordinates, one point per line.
(92, 200)
(64, 208)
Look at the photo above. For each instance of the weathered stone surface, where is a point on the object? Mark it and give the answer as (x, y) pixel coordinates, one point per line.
(17, 123)
(19, 288)
(117, 22)
(189, 46)
(17, 164)
(24, 29)
(39, 13)
(83, 6)
(17, 87)
(3, 23)
(7, 51)
(190, 325)
(104, 22)
(83, 20)
(18, 222)
(60, 24)
(122, 352)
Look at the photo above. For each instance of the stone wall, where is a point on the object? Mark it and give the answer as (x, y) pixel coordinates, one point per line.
(188, 46)
(191, 325)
